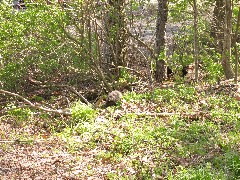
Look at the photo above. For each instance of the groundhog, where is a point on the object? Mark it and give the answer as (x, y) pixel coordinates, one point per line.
(112, 98)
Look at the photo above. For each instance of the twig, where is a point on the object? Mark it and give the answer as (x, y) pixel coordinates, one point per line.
(75, 92)
(65, 86)
(143, 44)
(149, 65)
(157, 114)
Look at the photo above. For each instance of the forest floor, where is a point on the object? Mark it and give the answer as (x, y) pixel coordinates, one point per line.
(163, 133)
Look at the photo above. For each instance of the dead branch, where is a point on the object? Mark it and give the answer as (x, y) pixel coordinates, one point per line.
(157, 114)
(192, 114)
(18, 141)
(75, 92)
(64, 86)
(35, 106)
(16, 95)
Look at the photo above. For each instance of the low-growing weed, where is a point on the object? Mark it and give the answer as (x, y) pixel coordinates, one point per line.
(202, 172)
(133, 96)
(184, 145)
(231, 163)
(20, 115)
(82, 113)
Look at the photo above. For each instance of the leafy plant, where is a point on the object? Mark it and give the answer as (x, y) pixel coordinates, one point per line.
(12, 75)
(20, 115)
(206, 172)
(82, 113)
(233, 164)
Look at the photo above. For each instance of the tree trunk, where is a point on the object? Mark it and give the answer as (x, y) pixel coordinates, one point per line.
(235, 46)
(226, 54)
(217, 28)
(115, 37)
(195, 39)
(160, 40)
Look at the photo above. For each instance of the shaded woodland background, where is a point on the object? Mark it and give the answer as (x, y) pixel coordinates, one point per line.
(111, 44)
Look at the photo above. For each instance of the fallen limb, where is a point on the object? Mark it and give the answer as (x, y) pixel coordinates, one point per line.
(16, 95)
(68, 112)
(75, 92)
(35, 106)
(18, 141)
(183, 114)
(157, 114)
(61, 86)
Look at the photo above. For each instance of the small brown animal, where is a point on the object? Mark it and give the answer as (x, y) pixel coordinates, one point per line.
(113, 97)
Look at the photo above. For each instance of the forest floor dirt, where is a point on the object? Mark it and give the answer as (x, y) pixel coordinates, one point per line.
(43, 156)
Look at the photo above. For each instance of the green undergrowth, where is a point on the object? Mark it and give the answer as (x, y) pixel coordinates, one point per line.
(200, 139)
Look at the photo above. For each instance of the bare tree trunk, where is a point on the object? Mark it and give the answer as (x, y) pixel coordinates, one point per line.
(218, 25)
(195, 39)
(226, 54)
(162, 15)
(235, 46)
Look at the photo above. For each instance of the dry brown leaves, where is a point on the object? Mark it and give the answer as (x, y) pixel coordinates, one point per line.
(45, 156)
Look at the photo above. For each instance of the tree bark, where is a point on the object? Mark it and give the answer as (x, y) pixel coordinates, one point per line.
(217, 29)
(196, 39)
(115, 36)
(235, 46)
(162, 15)
(226, 53)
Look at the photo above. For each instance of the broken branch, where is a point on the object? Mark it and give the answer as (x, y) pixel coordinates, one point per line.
(35, 106)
